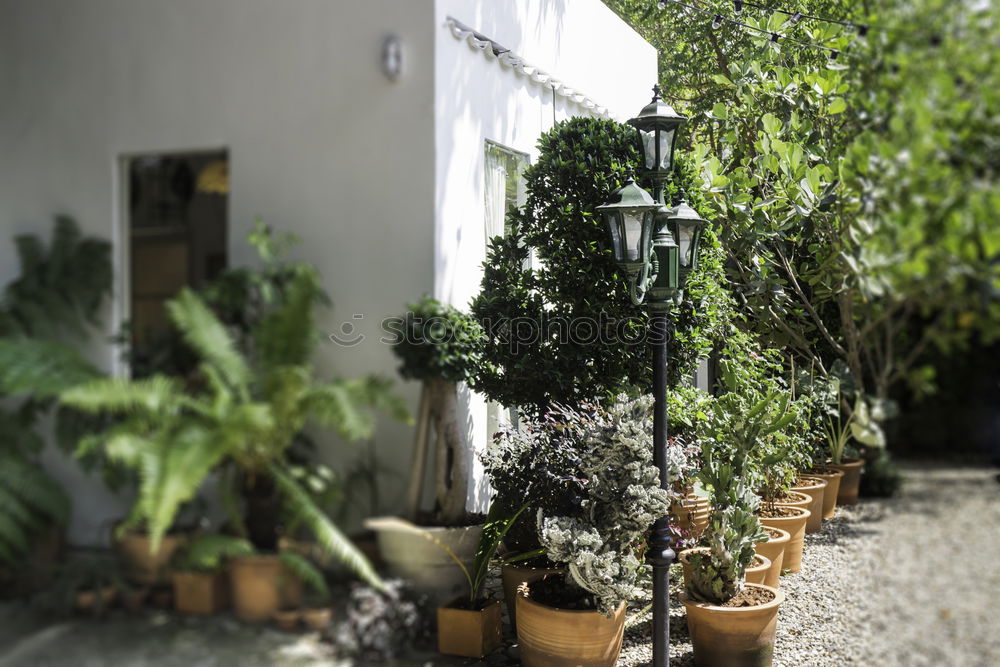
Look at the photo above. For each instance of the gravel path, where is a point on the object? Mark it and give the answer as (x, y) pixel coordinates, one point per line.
(906, 582)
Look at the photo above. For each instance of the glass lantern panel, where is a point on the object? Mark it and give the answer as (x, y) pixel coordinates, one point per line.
(649, 147)
(666, 140)
(632, 221)
(611, 219)
(686, 242)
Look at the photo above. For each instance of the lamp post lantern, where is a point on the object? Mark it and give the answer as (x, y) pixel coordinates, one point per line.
(658, 255)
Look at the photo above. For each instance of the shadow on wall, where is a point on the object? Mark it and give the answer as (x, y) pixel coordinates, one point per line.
(489, 113)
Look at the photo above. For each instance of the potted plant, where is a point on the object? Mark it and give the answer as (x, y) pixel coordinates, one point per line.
(776, 460)
(815, 488)
(198, 572)
(241, 419)
(732, 622)
(438, 345)
(773, 548)
(598, 535)
(54, 301)
(838, 435)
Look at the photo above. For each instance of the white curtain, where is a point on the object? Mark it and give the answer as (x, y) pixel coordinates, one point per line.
(496, 193)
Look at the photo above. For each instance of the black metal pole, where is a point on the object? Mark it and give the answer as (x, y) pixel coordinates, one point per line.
(660, 554)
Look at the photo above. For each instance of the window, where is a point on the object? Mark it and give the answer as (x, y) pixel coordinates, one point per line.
(177, 211)
(504, 189)
(504, 186)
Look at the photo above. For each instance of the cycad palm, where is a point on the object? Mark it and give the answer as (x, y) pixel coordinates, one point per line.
(246, 412)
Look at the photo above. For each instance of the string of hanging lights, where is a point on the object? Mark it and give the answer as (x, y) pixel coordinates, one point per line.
(774, 36)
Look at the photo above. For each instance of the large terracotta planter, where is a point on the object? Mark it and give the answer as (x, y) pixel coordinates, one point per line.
(832, 478)
(692, 512)
(733, 636)
(423, 563)
(755, 574)
(795, 526)
(848, 492)
(470, 633)
(200, 592)
(815, 488)
(550, 637)
(140, 565)
(513, 575)
(774, 549)
(261, 585)
(794, 499)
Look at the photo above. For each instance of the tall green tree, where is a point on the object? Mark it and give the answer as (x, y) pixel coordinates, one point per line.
(854, 195)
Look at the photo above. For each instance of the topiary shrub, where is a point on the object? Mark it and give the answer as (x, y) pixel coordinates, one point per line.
(567, 331)
(440, 346)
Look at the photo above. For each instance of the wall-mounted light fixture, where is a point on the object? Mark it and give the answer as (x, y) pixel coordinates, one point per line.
(392, 57)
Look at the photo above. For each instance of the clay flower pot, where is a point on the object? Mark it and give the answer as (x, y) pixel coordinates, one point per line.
(832, 478)
(317, 618)
(287, 619)
(794, 499)
(147, 568)
(133, 599)
(95, 600)
(513, 575)
(755, 573)
(794, 523)
(774, 550)
(848, 493)
(733, 636)
(692, 512)
(420, 561)
(468, 632)
(200, 592)
(261, 585)
(551, 637)
(815, 488)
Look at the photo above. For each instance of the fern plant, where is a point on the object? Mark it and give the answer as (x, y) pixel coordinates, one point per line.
(244, 415)
(58, 293)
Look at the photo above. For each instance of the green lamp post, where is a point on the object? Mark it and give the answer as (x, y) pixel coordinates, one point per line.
(657, 248)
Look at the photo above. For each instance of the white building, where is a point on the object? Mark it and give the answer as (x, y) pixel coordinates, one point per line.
(380, 132)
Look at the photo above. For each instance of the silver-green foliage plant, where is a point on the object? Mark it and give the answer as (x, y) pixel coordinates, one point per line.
(621, 500)
(741, 421)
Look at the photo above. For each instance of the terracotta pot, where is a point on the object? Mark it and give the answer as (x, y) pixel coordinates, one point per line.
(815, 488)
(551, 637)
(795, 526)
(142, 566)
(795, 499)
(774, 549)
(317, 618)
(733, 636)
(200, 592)
(134, 599)
(95, 600)
(692, 513)
(755, 574)
(470, 633)
(513, 575)
(425, 565)
(832, 478)
(848, 492)
(261, 585)
(286, 619)
(162, 598)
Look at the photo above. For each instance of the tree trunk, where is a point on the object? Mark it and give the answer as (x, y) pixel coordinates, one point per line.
(451, 483)
(415, 487)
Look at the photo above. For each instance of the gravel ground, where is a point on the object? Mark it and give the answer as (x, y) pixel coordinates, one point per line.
(906, 582)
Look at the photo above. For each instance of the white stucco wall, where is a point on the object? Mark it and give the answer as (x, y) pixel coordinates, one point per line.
(581, 43)
(383, 181)
(320, 144)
